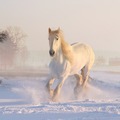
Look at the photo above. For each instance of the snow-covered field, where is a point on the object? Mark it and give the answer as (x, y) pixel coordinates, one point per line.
(25, 98)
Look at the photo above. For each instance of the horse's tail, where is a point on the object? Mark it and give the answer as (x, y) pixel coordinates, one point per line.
(91, 57)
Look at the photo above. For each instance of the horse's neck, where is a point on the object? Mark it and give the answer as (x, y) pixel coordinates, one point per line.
(67, 51)
(59, 56)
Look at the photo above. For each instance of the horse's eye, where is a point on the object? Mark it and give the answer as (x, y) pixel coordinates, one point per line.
(57, 38)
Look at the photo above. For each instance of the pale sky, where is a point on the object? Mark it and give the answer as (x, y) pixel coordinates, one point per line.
(96, 22)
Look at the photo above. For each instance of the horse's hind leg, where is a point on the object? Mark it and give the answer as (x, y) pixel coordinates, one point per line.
(48, 86)
(86, 69)
(85, 75)
(78, 84)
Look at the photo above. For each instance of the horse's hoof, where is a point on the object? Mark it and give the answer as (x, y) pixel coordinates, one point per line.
(77, 91)
(55, 98)
(51, 92)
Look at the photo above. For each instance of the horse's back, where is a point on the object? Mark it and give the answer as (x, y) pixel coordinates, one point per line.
(84, 51)
(80, 47)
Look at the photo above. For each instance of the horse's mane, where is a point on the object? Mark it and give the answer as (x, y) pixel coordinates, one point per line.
(66, 48)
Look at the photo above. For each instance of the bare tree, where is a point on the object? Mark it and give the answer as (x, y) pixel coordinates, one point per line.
(17, 37)
(12, 43)
(2, 36)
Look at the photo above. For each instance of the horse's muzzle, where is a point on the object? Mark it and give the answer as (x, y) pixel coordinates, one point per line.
(52, 52)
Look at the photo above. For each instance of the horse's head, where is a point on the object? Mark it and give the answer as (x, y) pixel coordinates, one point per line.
(54, 41)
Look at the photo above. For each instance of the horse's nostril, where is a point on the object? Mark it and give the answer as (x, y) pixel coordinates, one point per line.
(51, 52)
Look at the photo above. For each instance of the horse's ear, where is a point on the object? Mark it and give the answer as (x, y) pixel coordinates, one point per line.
(49, 30)
(59, 29)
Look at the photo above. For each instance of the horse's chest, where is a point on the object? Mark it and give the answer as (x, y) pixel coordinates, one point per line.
(59, 69)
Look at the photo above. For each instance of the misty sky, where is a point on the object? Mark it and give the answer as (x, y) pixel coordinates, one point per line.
(96, 22)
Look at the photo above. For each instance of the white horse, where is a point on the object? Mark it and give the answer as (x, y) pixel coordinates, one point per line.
(68, 60)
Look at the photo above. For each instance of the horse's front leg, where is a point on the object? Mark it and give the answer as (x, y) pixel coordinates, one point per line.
(57, 90)
(49, 84)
